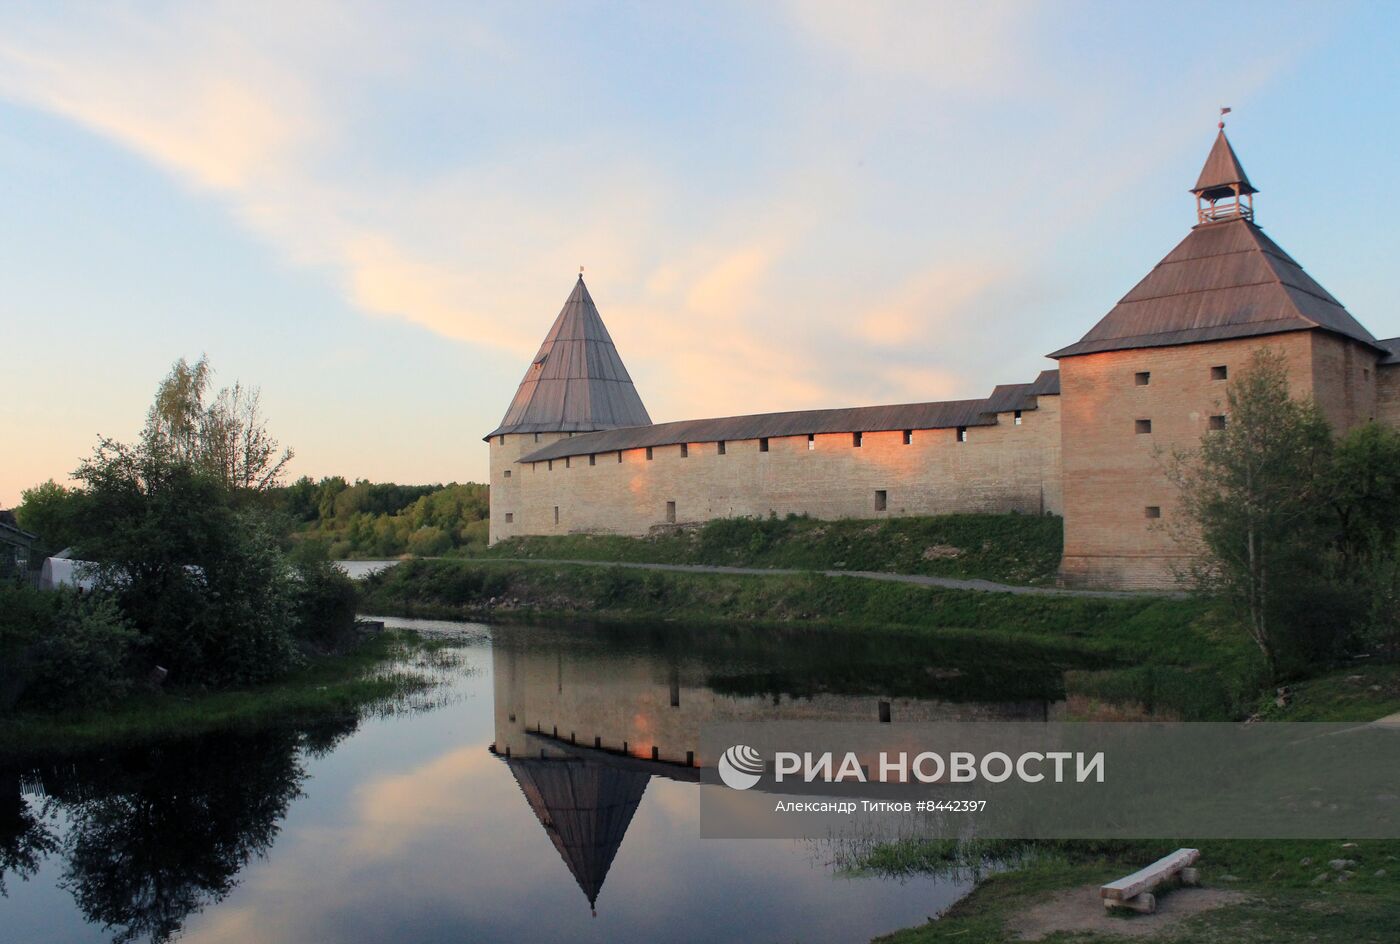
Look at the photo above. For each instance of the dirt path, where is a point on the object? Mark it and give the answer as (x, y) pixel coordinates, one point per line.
(950, 583)
(1081, 910)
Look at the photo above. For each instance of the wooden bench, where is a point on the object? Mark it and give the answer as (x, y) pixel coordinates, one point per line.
(1135, 891)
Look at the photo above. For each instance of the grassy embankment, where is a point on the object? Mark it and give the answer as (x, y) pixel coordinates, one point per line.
(332, 686)
(1023, 549)
(1288, 891)
(1291, 893)
(1151, 655)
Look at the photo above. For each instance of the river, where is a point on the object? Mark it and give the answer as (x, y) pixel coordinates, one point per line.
(463, 814)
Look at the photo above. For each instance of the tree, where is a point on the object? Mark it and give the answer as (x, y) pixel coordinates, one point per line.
(1254, 496)
(236, 444)
(1364, 492)
(177, 415)
(227, 437)
(203, 581)
(51, 511)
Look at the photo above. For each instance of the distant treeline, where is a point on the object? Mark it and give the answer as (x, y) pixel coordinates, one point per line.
(369, 519)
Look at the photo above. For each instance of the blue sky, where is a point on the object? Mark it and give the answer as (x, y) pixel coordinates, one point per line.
(374, 211)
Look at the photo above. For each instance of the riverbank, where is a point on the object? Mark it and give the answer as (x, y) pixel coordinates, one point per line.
(1278, 891)
(332, 686)
(1017, 549)
(1260, 892)
(1168, 658)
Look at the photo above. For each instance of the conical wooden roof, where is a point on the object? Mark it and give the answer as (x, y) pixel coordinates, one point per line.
(1224, 280)
(577, 382)
(585, 809)
(1222, 172)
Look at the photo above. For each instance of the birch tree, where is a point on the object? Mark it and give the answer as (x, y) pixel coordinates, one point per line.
(226, 437)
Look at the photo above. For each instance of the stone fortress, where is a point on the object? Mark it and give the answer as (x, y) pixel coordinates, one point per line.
(577, 451)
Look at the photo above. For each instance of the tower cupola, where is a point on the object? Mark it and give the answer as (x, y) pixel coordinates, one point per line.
(1223, 192)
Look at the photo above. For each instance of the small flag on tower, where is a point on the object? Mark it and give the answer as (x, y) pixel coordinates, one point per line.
(1224, 111)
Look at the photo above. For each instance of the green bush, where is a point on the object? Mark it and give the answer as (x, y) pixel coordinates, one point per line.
(475, 535)
(85, 658)
(442, 584)
(324, 607)
(63, 648)
(429, 541)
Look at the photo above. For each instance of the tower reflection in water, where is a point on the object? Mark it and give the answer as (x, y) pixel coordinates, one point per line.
(585, 718)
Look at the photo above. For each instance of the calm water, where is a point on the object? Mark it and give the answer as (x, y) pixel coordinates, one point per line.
(414, 825)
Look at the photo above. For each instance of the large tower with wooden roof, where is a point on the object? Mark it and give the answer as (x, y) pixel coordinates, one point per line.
(1152, 376)
(576, 383)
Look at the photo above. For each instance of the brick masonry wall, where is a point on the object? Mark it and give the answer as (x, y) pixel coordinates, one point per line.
(1344, 380)
(1112, 473)
(1388, 395)
(505, 480)
(1007, 467)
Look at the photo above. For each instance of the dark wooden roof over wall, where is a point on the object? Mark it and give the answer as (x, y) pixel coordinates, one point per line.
(1224, 280)
(1222, 172)
(944, 414)
(577, 381)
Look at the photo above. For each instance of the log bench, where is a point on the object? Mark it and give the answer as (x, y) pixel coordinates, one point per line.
(1135, 891)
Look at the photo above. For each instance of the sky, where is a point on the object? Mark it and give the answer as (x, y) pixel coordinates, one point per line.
(374, 211)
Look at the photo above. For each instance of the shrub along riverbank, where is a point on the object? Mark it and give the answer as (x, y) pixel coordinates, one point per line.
(198, 613)
(1008, 548)
(1165, 657)
(332, 686)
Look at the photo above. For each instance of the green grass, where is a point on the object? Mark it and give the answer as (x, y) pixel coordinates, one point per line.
(1284, 902)
(332, 686)
(1362, 692)
(1010, 548)
(1202, 669)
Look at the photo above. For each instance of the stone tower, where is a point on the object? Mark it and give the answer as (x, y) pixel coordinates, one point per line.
(1152, 376)
(576, 384)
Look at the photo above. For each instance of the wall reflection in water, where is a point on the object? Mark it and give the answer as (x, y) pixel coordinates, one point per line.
(585, 721)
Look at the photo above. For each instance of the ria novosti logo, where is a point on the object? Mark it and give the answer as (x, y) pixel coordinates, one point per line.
(740, 767)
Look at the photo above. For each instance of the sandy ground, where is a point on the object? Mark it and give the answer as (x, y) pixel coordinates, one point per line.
(1080, 909)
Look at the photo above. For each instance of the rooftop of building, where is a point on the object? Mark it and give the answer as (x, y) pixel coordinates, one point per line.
(577, 381)
(10, 529)
(1226, 279)
(941, 414)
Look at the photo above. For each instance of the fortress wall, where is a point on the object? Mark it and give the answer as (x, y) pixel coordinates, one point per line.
(1112, 473)
(1343, 381)
(505, 489)
(1006, 467)
(1388, 395)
